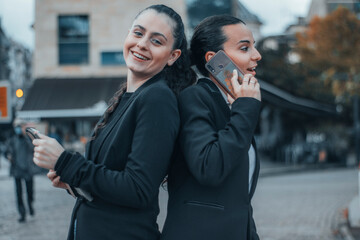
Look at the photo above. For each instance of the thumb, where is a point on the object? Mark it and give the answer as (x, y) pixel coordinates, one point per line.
(42, 136)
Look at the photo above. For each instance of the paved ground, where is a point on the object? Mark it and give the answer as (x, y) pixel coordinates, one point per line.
(303, 206)
(297, 206)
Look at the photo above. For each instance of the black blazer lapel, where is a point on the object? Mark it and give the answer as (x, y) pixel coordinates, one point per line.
(112, 124)
(216, 94)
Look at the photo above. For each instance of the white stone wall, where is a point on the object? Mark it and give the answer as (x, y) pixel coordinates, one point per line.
(109, 21)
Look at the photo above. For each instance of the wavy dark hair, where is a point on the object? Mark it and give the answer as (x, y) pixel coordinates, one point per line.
(209, 36)
(178, 76)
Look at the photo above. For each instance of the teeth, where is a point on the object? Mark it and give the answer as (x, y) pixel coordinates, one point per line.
(139, 56)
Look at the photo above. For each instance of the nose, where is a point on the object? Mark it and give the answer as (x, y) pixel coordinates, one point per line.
(256, 55)
(142, 43)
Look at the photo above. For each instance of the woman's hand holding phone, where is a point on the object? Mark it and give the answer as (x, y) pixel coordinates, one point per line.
(248, 88)
(47, 151)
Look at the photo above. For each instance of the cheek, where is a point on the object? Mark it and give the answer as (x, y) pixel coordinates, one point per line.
(161, 55)
(127, 44)
(242, 60)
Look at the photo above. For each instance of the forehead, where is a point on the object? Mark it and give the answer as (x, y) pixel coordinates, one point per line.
(155, 22)
(237, 32)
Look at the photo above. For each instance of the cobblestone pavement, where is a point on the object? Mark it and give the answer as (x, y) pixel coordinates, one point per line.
(299, 206)
(52, 213)
(303, 206)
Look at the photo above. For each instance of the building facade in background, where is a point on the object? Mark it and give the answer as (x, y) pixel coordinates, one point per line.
(322, 8)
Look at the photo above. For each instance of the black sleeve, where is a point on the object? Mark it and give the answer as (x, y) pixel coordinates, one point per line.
(157, 126)
(211, 154)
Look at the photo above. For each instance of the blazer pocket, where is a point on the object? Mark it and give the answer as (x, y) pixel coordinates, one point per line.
(205, 204)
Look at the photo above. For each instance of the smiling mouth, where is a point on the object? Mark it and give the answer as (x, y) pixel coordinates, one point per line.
(139, 56)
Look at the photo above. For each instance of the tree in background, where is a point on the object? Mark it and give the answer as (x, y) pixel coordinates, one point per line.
(331, 47)
(330, 52)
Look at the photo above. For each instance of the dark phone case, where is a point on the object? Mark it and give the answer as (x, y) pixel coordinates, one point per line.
(31, 132)
(221, 68)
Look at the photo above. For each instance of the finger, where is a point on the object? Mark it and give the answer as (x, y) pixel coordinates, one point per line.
(234, 80)
(252, 81)
(230, 99)
(51, 175)
(42, 136)
(38, 141)
(246, 79)
(42, 164)
(56, 181)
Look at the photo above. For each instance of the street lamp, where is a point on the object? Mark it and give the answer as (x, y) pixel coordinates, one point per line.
(19, 93)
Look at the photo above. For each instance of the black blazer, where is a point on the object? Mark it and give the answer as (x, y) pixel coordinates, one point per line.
(133, 156)
(208, 179)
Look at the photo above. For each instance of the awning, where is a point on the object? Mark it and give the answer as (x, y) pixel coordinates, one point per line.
(285, 100)
(68, 97)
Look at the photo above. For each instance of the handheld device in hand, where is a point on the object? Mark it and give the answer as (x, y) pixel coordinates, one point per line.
(32, 133)
(221, 67)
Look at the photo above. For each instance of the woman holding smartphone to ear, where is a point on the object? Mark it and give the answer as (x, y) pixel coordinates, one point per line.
(214, 174)
(129, 153)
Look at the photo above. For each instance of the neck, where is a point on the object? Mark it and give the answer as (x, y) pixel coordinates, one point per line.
(134, 81)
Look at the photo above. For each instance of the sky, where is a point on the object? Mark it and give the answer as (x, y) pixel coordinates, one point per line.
(17, 16)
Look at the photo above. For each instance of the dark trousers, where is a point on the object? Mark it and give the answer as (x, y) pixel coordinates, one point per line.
(30, 195)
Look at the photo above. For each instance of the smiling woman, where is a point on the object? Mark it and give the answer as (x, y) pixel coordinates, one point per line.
(149, 45)
(118, 179)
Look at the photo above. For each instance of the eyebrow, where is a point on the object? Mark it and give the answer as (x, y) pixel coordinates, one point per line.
(245, 41)
(154, 33)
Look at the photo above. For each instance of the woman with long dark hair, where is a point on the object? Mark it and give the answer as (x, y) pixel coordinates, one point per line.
(117, 182)
(213, 176)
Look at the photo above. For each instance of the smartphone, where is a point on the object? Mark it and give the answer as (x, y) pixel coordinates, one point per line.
(221, 67)
(32, 133)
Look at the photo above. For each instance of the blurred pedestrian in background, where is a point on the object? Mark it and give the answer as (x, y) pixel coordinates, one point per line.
(20, 154)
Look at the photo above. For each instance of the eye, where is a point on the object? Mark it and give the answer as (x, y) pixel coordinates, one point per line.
(137, 33)
(156, 41)
(245, 48)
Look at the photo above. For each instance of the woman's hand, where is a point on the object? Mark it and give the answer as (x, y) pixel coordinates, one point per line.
(249, 87)
(55, 179)
(47, 151)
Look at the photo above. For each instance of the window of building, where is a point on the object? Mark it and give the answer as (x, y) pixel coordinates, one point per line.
(112, 58)
(73, 39)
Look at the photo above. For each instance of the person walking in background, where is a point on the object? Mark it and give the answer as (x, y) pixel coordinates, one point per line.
(20, 154)
(214, 173)
(130, 151)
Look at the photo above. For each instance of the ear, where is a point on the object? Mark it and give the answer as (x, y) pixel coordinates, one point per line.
(209, 55)
(174, 56)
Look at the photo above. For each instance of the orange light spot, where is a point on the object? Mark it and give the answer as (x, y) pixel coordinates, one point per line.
(19, 93)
